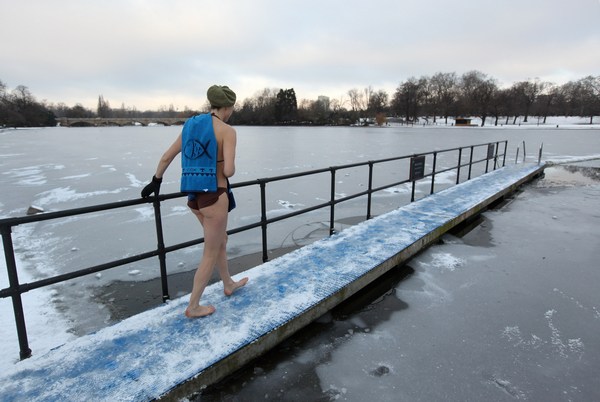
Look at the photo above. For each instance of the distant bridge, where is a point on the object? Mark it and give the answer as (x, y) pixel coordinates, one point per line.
(119, 121)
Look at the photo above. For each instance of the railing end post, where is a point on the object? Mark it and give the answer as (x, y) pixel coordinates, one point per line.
(160, 247)
(25, 354)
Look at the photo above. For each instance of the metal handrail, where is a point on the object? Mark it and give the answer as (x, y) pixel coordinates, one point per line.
(16, 288)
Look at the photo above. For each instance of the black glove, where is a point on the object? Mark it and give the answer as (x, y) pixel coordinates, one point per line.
(152, 187)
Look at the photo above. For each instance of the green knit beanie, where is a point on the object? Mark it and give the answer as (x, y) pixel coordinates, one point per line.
(220, 96)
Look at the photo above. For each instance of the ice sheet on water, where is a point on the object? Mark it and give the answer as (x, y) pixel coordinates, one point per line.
(566, 159)
(10, 155)
(28, 176)
(288, 204)
(68, 194)
(76, 177)
(445, 177)
(554, 345)
(592, 309)
(505, 386)
(134, 181)
(144, 214)
(395, 190)
(178, 210)
(443, 261)
(358, 359)
(514, 336)
(571, 346)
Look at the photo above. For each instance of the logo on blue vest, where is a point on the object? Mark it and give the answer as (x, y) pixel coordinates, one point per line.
(195, 149)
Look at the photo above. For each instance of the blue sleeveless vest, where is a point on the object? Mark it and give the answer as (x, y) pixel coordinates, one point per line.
(198, 155)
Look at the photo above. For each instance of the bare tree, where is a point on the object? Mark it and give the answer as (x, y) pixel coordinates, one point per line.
(367, 99)
(546, 100)
(2, 90)
(408, 99)
(499, 104)
(477, 91)
(589, 97)
(378, 102)
(265, 106)
(444, 92)
(528, 92)
(355, 99)
(425, 98)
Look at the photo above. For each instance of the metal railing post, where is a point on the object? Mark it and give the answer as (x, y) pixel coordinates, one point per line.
(332, 203)
(369, 196)
(412, 179)
(13, 279)
(496, 156)
(433, 172)
(162, 255)
(263, 219)
(459, 163)
(470, 163)
(505, 149)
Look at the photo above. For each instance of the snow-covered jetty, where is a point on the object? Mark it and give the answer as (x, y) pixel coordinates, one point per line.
(160, 354)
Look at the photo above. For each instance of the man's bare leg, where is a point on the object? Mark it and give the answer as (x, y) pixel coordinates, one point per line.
(229, 289)
(214, 222)
(201, 278)
(229, 285)
(199, 311)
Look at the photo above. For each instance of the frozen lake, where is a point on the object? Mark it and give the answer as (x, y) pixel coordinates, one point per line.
(61, 168)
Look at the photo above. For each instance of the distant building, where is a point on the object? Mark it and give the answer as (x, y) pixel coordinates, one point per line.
(461, 121)
(324, 102)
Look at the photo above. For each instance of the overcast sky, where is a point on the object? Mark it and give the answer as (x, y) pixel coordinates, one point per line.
(160, 52)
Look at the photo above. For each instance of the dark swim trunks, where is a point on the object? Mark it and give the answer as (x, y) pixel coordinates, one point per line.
(202, 200)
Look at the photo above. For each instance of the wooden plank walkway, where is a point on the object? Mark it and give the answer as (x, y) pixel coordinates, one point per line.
(160, 354)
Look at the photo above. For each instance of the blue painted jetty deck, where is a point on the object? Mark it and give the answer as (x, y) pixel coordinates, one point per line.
(160, 354)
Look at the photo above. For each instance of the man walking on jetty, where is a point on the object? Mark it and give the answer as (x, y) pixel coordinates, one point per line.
(207, 146)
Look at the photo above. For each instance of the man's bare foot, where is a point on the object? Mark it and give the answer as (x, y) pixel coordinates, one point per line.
(228, 290)
(199, 311)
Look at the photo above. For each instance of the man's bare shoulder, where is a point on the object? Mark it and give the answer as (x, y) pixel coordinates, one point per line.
(224, 131)
(228, 130)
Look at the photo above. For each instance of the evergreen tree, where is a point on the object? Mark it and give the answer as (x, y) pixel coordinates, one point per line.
(103, 107)
(286, 106)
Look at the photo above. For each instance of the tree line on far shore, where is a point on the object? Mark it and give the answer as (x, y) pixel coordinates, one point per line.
(424, 99)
